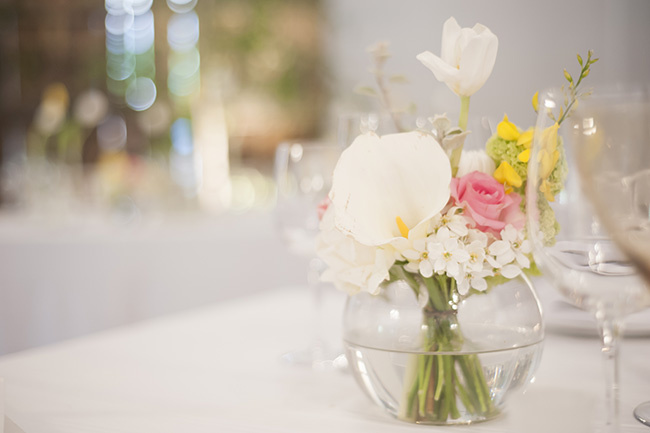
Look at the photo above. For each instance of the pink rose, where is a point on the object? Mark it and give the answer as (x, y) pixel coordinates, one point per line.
(486, 202)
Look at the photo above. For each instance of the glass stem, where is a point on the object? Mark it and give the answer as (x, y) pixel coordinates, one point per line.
(610, 335)
(315, 267)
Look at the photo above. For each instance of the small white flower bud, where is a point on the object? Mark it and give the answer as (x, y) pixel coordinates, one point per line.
(475, 160)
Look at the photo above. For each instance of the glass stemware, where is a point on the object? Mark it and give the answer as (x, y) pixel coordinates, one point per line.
(582, 262)
(612, 136)
(303, 176)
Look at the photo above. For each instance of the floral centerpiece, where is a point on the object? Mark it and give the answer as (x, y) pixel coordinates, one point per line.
(414, 206)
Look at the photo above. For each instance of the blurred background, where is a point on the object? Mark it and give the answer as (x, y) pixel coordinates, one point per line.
(138, 137)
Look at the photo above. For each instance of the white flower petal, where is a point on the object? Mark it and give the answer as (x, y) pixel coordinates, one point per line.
(439, 265)
(420, 244)
(458, 226)
(435, 249)
(426, 268)
(523, 261)
(460, 256)
(411, 255)
(463, 286)
(453, 268)
(479, 284)
(443, 71)
(492, 262)
(377, 179)
(497, 248)
(450, 34)
(510, 271)
(525, 247)
(477, 62)
(413, 267)
(506, 257)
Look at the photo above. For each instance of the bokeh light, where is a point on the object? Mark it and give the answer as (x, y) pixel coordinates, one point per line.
(141, 93)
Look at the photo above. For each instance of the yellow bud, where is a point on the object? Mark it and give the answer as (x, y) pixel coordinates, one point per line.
(546, 164)
(586, 73)
(403, 229)
(568, 76)
(536, 101)
(549, 138)
(507, 130)
(546, 190)
(524, 156)
(507, 175)
(526, 138)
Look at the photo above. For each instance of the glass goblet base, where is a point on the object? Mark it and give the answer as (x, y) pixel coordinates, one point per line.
(642, 413)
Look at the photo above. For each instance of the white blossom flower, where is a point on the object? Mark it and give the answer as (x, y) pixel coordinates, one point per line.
(446, 253)
(467, 57)
(474, 280)
(476, 251)
(452, 220)
(500, 253)
(418, 258)
(519, 245)
(352, 267)
(475, 160)
(380, 181)
(507, 256)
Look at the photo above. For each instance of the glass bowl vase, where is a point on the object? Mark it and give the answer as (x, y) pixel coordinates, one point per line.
(487, 346)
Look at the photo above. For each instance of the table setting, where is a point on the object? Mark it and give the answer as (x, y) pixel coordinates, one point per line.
(458, 272)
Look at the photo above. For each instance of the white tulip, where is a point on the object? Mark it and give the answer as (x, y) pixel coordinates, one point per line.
(468, 56)
(475, 160)
(380, 179)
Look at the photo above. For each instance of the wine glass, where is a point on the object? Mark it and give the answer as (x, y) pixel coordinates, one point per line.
(612, 137)
(303, 175)
(570, 244)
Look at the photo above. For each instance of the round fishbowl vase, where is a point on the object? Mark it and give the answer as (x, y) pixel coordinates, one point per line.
(456, 365)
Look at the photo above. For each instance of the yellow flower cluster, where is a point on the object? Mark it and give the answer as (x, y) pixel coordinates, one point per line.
(548, 158)
(521, 143)
(509, 132)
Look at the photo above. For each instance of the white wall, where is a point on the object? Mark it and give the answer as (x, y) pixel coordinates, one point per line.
(537, 40)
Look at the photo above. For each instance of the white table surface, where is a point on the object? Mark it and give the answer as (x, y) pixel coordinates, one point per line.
(218, 369)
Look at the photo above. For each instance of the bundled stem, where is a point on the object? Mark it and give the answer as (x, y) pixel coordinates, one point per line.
(439, 387)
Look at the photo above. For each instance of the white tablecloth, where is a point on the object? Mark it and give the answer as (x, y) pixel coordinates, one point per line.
(218, 368)
(62, 279)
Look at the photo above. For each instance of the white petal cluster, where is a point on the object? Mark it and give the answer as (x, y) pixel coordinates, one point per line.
(452, 248)
(352, 266)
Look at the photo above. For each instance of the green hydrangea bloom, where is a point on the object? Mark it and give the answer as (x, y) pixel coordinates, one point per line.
(507, 150)
(559, 173)
(548, 225)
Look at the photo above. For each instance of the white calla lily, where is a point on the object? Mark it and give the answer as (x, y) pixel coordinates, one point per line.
(467, 57)
(380, 180)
